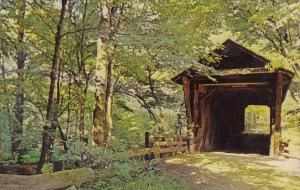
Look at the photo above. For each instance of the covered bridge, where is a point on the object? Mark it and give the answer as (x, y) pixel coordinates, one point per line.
(216, 108)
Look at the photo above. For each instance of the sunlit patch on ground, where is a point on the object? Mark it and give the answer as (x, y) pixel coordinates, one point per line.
(235, 171)
(288, 165)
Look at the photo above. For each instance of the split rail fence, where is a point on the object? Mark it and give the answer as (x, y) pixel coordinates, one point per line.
(284, 150)
(157, 145)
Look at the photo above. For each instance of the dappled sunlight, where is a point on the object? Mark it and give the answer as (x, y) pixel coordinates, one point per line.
(256, 171)
(238, 155)
(288, 165)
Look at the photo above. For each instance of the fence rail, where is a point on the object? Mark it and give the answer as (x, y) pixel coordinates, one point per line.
(284, 150)
(158, 144)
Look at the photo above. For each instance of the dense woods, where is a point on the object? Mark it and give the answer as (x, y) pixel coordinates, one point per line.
(83, 80)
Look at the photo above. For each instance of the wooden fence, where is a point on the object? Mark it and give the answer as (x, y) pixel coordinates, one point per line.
(284, 150)
(156, 145)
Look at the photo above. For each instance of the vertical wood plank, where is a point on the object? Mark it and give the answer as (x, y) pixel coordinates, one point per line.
(187, 99)
(187, 96)
(196, 106)
(276, 116)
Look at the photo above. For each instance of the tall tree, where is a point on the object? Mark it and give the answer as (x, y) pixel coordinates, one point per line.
(50, 126)
(81, 14)
(110, 13)
(20, 60)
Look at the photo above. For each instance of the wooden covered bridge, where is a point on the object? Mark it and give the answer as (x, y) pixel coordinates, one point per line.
(216, 108)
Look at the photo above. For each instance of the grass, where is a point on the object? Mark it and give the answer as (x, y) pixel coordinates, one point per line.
(159, 182)
(145, 181)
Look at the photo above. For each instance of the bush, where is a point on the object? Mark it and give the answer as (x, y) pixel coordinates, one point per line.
(130, 174)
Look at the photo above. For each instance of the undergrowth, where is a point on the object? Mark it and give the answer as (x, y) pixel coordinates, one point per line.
(133, 175)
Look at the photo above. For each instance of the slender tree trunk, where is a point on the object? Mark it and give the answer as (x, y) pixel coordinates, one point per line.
(81, 96)
(81, 67)
(109, 95)
(49, 127)
(99, 114)
(83, 87)
(57, 109)
(82, 93)
(20, 59)
(69, 108)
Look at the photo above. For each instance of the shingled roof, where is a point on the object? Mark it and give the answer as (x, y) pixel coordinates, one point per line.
(237, 65)
(234, 56)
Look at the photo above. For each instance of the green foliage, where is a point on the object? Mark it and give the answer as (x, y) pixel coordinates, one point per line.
(131, 175)
(47, 168)
(274, 24)
(290, 113)
(147, 182)
(257, 119)
(31, 156)
(154, 182)
(129, 129)
(5, 137)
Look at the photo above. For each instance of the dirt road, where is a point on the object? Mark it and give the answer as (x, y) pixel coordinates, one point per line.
(216, 171)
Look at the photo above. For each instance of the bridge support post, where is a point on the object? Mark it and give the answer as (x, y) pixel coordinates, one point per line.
(275, 123)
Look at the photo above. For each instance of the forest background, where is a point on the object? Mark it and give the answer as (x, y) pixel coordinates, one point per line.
(80, 74)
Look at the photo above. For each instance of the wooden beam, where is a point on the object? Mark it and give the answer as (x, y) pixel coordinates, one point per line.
(196, 106)
(287, 155)
(157, 137)
(236, 79)
(276, 115)
(237, 85)
(156, 151)
(172, 143)
(278, 100)
(187, 96)
(170, 149)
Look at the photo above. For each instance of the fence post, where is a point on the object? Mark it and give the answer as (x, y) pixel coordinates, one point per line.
(190, 142)
(147, 144)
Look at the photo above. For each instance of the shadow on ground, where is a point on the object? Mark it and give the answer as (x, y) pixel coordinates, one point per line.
(233, 171)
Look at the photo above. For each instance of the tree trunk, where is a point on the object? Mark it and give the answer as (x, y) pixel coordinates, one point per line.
(80, 58)
(49, 128)
(57, 109)
(69, 108)
(20, 59)
(81, 96)
(50, 181)
(109, 95)
(102, 117)
(99, 115)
